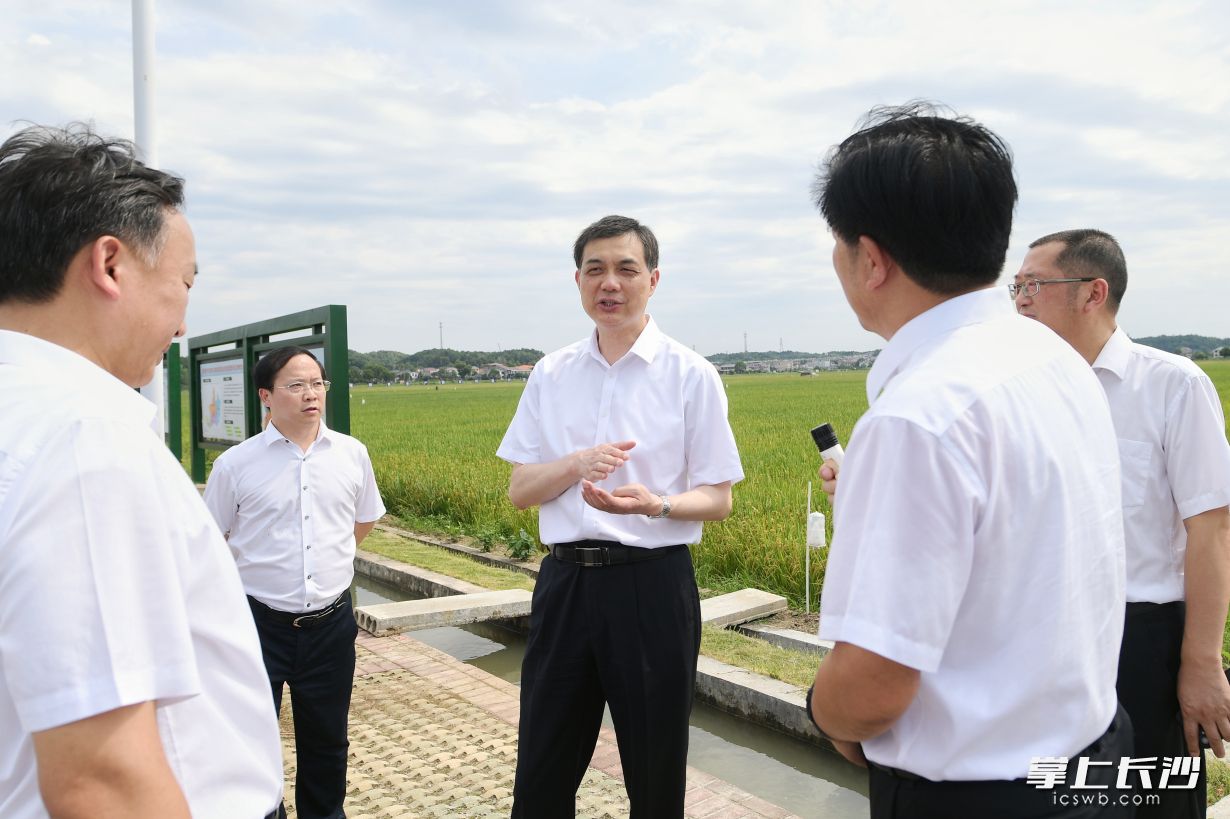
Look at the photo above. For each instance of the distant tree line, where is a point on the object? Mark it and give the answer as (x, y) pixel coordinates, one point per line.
(773, 355)
(382, 365)
(1175, 344)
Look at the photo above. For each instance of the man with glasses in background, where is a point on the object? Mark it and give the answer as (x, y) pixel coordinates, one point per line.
(294, 501)
(1175, 466)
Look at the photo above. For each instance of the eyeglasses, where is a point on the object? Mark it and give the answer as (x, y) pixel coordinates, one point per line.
(297, 387)
(1032, 286)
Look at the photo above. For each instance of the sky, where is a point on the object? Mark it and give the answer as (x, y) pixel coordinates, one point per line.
(429, 163)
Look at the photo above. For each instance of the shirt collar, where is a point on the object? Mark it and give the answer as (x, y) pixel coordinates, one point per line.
(270, 434)
(68, 367)
(1115, 353)
(968, 308)
(645, 347)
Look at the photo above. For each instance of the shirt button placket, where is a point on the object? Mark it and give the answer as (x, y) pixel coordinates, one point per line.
(602, 428)
(602, 425)
(306, 505)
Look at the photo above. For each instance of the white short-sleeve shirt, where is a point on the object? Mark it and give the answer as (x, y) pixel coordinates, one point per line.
(116, 588)
(978, 539)
(660, 394)
(1174, 456)
(289, 515)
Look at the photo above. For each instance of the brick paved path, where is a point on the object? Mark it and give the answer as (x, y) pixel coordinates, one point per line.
(433, 737)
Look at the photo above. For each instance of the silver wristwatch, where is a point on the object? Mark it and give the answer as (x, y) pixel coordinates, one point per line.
(666, 508)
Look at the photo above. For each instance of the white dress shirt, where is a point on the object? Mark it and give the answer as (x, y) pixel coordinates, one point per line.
(978, 539)
(1174, 456)
(662, 395)
(289, 515)
(116, 589)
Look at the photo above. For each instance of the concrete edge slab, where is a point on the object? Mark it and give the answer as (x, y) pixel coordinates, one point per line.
(411, 579)
(787, 638)
(390, 618)
(422, 582)
(740, 607)
(756, 698)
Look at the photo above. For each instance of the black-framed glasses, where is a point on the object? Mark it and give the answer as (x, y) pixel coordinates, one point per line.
(297, 387)
(1030, 287)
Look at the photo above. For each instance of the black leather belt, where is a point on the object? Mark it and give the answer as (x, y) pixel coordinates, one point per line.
(299, 619)
(595, 553)
(898, 773)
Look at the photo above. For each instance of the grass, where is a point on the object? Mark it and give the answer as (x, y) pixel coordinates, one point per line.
(433, 449)
(730, 647)
(434, 455)
(1218, 777)
(445, 562)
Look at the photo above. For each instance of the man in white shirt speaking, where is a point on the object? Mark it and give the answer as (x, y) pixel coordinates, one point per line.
(1176, 489)
(622, 441)
(130, 674)
(974, 587)
(294, 502)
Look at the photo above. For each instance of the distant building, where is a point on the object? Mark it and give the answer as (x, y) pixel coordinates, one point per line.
(497, 370)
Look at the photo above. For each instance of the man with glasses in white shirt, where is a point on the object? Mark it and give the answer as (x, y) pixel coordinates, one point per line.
(130, 674)
(974, 588)
(1175, 465)
(622, 441)
(294, 501)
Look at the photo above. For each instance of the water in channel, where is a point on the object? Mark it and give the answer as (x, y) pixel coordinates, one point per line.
(801, 778)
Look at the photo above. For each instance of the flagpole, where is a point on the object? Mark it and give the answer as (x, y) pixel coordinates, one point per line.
(147, 143)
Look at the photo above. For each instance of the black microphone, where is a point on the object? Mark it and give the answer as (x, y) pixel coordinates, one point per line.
(827, 443)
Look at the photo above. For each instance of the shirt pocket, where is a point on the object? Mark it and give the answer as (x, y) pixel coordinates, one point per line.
(1136, 470)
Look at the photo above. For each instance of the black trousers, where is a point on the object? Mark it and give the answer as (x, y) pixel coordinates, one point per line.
(896, 797)
(627, 635)
(1148, 688)
(317, 662)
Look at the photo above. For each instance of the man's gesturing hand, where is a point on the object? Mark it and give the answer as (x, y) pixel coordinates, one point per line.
(599, 462)
(632, 499)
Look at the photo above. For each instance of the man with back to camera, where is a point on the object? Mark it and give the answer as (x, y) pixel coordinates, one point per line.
(130, 674)
(295, 501)
(974, 587)
(1176, 489)
(622, 441)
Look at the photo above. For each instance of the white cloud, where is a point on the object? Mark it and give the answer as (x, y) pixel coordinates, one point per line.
(434, 161)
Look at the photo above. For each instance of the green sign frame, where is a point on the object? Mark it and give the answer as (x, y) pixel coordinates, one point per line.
(174, 402)
(325, 328)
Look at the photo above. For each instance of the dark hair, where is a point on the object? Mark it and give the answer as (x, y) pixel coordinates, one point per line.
(62, 188)
(935, 192)
(273, 361)
(609, 227)
(1089, 252)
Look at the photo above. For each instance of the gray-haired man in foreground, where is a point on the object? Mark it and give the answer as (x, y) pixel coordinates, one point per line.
(131, 681)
